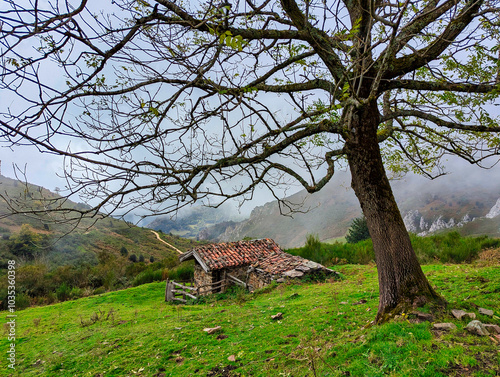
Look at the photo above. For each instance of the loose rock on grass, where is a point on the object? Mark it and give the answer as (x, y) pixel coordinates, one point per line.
(212, 330)
(476, 327)
(487, 312)
(277, 316)
(459, 314)
(445, 326)
(492, 329)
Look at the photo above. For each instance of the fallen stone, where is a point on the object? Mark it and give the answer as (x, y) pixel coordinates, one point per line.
(280, 280)
(444, 326)
(459, 314)
(312, 265)
(476, 327)
(277, 316)
(303, 268)
(212, 330)
(487, 312)
(293, 274)
(232, 358)
(492, 329)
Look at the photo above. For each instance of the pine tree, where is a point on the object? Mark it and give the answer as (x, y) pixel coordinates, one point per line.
(358, 231)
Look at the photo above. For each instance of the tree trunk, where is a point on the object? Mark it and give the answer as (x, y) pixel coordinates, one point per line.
(402, 283)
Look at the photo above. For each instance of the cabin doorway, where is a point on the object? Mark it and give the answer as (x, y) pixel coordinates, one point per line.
(217, 277)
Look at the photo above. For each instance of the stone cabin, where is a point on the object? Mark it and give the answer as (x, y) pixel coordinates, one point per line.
(256, 263)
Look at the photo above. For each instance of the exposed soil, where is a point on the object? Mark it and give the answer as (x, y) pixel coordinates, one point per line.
(486, 362)
(223, 372)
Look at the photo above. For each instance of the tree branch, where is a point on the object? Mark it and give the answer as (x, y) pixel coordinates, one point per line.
(421, 57)
(438, 121)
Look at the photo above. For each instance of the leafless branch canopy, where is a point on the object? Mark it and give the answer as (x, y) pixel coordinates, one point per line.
(163, 103)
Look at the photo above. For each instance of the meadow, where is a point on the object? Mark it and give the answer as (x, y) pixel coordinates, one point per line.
(324, 331)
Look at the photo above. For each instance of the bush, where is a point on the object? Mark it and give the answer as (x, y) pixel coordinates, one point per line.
(75, 293)
(151, 259)
(147, 276)
(99, 290)
(124, 251)
(313, 248)
(183, 272)
(26, 243)
(141, 258)
(358, 231)
(63, 293)
(133, 258)
(23, 301)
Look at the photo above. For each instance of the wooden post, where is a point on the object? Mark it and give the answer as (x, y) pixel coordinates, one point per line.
(166, 291)
(170, 293)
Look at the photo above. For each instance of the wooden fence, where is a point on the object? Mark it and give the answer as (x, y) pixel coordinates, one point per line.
(182, 292)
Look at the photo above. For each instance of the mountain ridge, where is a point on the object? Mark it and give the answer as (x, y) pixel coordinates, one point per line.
(427, 206)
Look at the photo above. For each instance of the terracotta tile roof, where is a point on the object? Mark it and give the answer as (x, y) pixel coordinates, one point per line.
(233, 254)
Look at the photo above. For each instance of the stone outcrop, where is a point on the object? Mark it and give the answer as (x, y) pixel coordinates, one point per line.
(494, 211)
(416, 223)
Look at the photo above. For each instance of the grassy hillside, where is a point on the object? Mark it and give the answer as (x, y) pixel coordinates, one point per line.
(56, 262)
(134, 333)
(104, 235)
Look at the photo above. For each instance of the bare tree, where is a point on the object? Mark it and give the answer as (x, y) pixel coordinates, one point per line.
(165, 103)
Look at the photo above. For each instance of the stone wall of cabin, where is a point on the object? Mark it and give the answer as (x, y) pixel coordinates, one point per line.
(255, 278)
(258, 280)
(201, 277)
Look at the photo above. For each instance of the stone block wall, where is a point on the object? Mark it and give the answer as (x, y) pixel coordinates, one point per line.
(258, 280)
(201, 277)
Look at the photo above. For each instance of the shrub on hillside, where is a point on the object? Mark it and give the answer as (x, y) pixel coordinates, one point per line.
(313, 249)
(63, 293)
(25, 244)
(358, 231)
(183, 272)
(447, 248)
(147, 276)
(123, 251)
(134, 269)
(23, 301)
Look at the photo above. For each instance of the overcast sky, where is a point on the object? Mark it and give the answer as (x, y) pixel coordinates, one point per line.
(46, 170)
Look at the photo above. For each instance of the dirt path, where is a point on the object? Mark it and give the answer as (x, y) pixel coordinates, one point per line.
(166, 243)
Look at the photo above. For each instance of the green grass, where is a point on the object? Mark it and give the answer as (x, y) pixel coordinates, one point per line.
(134, 333)
(449, 247)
